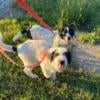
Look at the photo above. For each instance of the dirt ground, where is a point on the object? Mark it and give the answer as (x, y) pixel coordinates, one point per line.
(86, 56)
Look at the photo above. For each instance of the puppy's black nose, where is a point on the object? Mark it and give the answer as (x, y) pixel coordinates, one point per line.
(62, 62)
(69, 38)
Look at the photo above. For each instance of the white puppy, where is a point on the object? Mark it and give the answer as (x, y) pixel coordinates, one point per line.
(57, 38)
(34, 51)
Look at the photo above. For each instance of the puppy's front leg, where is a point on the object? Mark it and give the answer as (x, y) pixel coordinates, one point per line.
(53, 76)
(29, 73)
(45, 72)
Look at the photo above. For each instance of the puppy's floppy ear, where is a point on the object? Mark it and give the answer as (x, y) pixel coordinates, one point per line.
(68, 56)
(72, 28)
(51, 55)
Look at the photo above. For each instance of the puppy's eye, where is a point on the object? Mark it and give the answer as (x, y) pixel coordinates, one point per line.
(56, 54)
(63, 34)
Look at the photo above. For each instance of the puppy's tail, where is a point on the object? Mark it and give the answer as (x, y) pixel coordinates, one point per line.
(21, 33)
(5, 47)
(17, 36)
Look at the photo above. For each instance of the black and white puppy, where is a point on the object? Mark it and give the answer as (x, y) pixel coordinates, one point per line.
(64, 38)
(59, 38)
(52, 59)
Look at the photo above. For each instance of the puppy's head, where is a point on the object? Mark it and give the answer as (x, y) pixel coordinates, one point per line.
(59, 58)
(66, 35)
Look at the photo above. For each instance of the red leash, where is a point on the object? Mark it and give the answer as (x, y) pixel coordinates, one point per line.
(23, 4)
(8, 57)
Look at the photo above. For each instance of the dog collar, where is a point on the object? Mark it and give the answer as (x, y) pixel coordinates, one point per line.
(43, 54)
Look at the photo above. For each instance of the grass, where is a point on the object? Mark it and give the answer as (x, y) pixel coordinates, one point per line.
(89, 37)
(73, 84)
(84, 13)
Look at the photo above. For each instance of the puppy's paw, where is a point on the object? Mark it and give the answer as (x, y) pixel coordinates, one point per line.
(35, 76)
(53, 76)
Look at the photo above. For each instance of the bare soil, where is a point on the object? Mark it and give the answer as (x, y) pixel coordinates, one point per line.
(86, 56)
